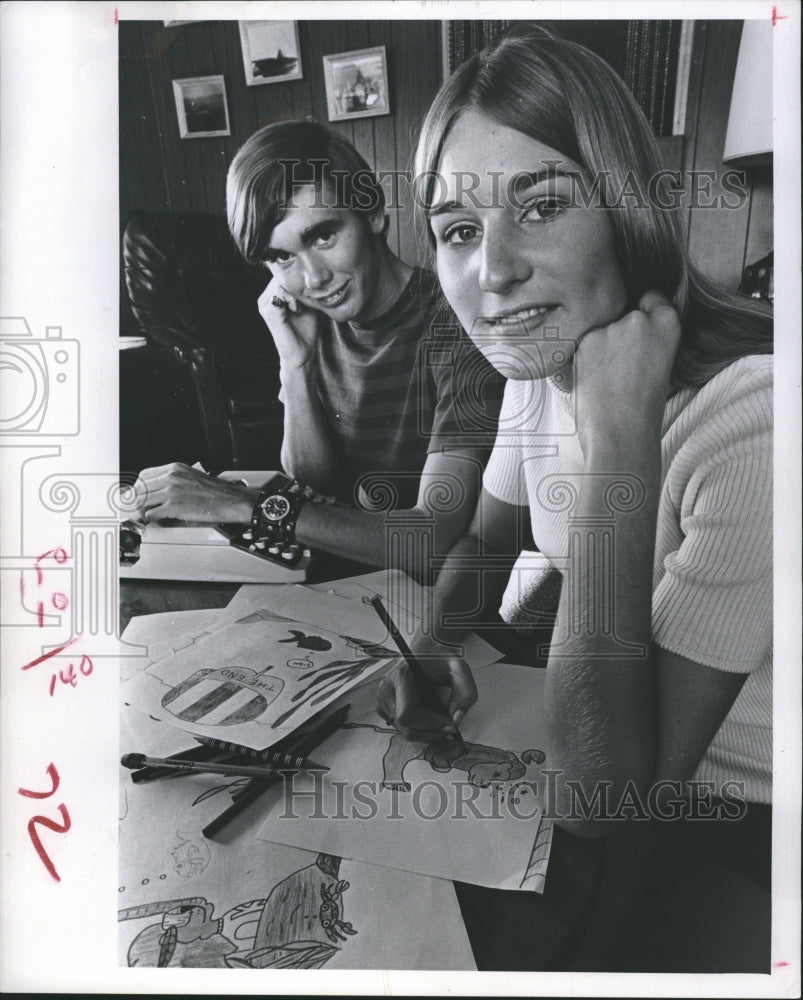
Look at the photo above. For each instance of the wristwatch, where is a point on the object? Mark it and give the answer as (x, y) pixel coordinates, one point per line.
(277, 508)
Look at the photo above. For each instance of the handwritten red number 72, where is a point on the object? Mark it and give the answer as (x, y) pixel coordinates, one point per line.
(45, 821)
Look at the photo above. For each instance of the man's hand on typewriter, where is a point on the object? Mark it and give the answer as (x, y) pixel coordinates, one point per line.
(177, 492)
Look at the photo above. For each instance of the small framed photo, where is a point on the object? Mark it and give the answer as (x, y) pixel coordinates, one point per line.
(270, 51)
(201, 107)
(357, 84)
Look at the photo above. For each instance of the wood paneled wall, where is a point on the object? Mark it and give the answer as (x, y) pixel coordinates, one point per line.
(161, 172)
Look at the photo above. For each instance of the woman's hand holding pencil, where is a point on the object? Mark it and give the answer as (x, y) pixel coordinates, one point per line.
(401, 700)
(408, 697)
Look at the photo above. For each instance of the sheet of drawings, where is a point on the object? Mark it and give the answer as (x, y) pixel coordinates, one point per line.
(433, 808)
(237, 903)
(255, 679)
(257, 669)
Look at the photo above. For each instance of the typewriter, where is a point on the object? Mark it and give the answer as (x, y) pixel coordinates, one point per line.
(217, 553)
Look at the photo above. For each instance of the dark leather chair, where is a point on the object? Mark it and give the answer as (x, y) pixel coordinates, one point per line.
(195, 301)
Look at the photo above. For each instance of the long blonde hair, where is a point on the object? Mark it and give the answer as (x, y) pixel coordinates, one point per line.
(566, 97)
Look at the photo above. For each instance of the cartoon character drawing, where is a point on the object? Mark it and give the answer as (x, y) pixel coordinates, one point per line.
(314, 642)
(483, 765)
(191, 855)
(188, 935)
(298, 926)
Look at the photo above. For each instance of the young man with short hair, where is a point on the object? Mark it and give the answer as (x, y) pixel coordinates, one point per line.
(388, 405)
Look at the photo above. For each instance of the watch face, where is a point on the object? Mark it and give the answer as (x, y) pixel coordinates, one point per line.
(276, 507)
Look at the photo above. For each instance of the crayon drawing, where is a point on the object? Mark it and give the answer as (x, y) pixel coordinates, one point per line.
(190, 855)
(242, 693)
(254, 677)
(483, 765)
(299, 925)
(407, 794)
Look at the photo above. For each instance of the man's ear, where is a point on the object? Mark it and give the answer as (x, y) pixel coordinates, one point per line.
(379, 222)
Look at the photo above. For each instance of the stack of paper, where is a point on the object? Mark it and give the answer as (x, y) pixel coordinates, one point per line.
(234, 902)
(277, 654)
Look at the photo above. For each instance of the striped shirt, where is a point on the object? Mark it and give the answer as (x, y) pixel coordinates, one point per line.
(712, 578)
(404, 385)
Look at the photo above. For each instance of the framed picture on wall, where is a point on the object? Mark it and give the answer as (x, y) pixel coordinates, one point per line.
(201, 107)
(357, 84)
(270, 51)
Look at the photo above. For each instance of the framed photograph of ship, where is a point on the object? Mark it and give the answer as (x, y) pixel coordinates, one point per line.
(270, 51)
(357, 84)
(201, 107)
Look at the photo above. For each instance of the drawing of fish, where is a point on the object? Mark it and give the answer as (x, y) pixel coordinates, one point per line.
(314, 642)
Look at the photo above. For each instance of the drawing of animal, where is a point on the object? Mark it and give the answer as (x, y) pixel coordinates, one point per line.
(330, 911)
(483, 765)
(191, 855)
(315, 642)
(188, 935)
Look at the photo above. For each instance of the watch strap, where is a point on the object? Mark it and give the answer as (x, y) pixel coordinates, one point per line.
(265, 529)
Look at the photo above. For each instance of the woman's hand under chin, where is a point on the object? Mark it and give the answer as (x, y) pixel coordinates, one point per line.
(622, 375)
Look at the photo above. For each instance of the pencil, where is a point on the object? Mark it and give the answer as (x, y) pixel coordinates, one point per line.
(155, 773)
(272, 756)
(418, 671)
(205, 752)
(317, 729)
(138, 760)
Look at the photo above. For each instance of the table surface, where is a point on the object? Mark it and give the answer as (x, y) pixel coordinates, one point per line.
(511, 931)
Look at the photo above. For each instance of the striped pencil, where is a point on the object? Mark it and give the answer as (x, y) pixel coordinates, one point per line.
(317, 729)
(274, 757)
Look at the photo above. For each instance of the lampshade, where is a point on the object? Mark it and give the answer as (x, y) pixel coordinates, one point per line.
(749, 136)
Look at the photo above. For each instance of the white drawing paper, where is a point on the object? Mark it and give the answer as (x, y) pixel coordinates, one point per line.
(165, 634)
(431, 808)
